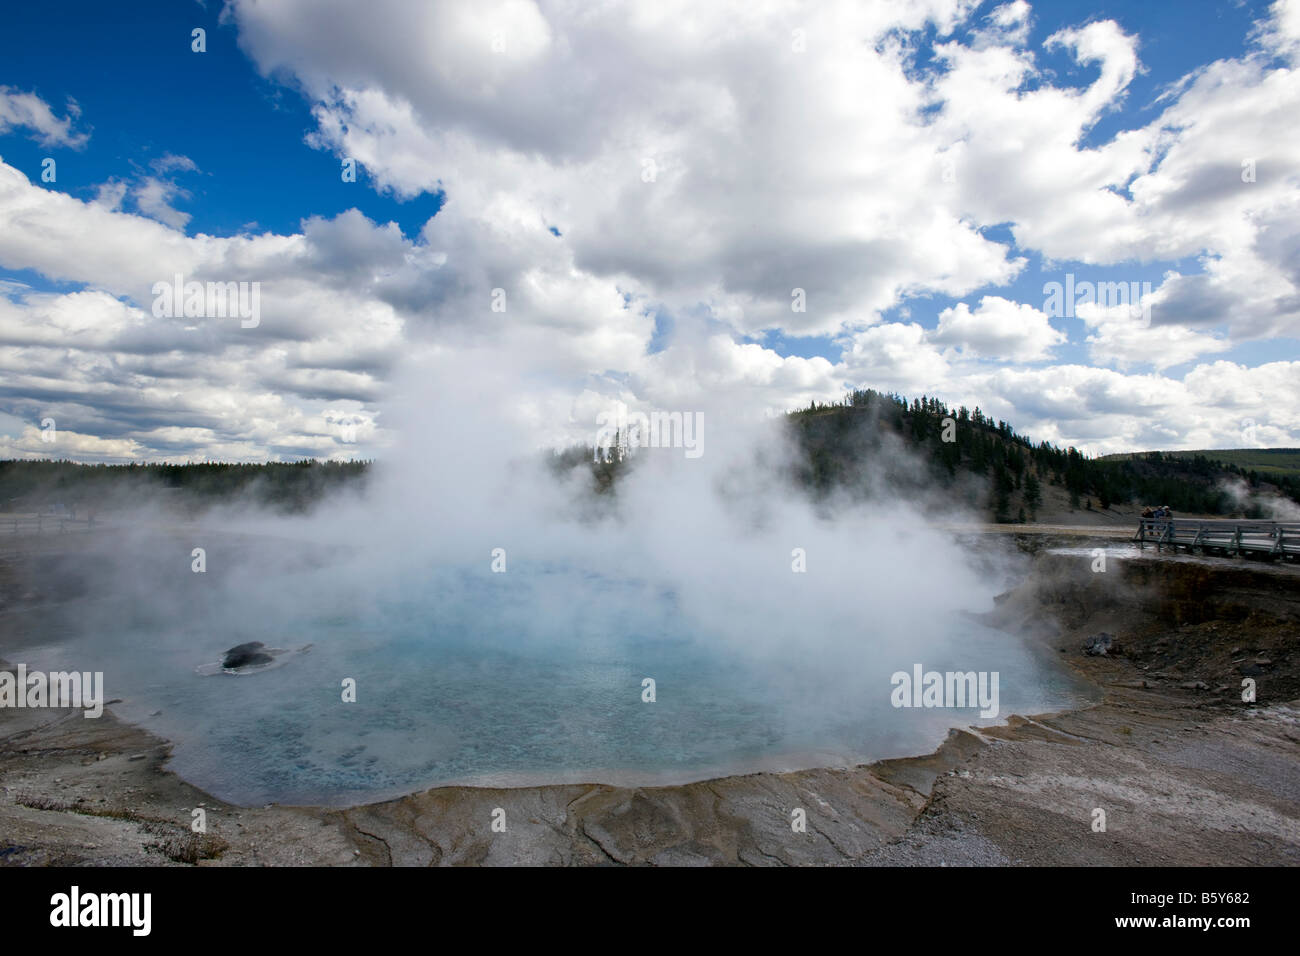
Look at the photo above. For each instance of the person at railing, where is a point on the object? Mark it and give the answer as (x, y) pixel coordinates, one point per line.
(1158, 519)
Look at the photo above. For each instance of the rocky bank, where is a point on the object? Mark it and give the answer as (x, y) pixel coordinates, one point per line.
(1184, 771)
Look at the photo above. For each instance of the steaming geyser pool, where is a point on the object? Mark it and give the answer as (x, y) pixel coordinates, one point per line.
(468, 679)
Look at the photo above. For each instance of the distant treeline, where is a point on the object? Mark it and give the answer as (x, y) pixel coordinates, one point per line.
(870, 443)
(838, 439)
(283, 486)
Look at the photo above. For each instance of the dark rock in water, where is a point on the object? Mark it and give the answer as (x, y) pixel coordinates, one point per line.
(1101, 645)
(246, 655)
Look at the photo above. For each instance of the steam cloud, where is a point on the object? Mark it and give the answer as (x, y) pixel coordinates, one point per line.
(683, 574)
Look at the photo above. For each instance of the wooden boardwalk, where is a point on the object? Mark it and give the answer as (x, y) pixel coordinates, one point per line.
(1278, 539)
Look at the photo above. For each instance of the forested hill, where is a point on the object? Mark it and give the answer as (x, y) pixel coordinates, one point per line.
(1266, 463)
(869, 444)
(952, 444)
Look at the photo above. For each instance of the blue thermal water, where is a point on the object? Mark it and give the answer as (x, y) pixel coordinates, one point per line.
(467, 680)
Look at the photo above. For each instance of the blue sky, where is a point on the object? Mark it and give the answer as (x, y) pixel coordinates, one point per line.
(245, 133)
(231, 142)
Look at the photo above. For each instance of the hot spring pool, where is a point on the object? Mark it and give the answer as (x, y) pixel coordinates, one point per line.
(508, 686)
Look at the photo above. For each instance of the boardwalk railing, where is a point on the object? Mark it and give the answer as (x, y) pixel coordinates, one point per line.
(1280, 539)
